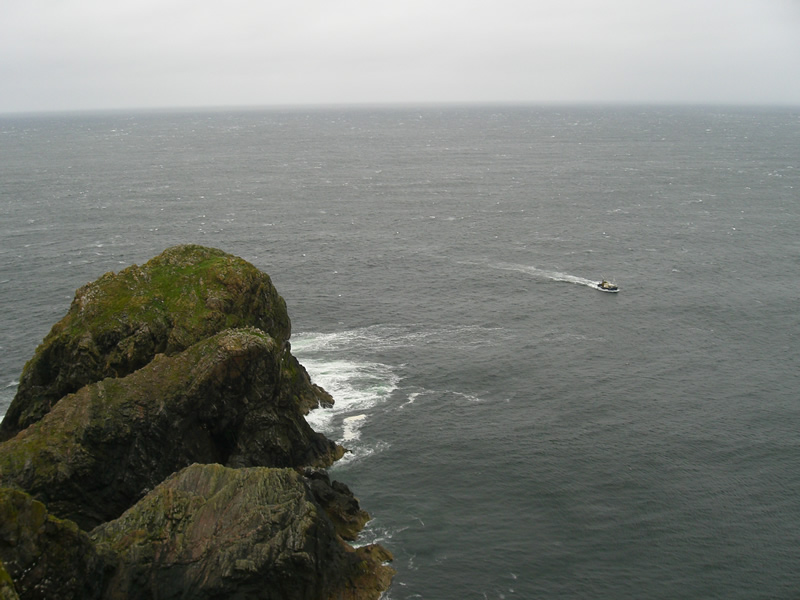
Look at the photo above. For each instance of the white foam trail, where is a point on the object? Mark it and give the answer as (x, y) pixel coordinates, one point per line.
(411, 398)
(357, 387)
(378, 338)
(544, 274)
(375, 532)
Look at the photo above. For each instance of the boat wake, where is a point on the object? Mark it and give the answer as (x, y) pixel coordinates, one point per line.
(544, 274)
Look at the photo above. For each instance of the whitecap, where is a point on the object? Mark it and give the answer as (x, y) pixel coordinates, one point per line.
(412, 397)
(375, 532)
(357, 388)
(468, 397)
(357, 451)
(352, 427)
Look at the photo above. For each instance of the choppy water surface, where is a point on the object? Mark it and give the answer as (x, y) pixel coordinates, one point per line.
(514, 432)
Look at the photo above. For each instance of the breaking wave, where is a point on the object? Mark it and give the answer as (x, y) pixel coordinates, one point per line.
(357, 387)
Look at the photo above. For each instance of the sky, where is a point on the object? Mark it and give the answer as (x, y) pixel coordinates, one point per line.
(58, 55)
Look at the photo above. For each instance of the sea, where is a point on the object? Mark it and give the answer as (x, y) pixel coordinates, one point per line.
(513, 431)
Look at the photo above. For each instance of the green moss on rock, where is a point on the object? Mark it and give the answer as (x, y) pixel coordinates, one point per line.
(98, 450)
(183, 360)
(46, 557)
(214, 532)
(118, 323)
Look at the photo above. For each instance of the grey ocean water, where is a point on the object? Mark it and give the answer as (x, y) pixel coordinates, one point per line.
(514, 432)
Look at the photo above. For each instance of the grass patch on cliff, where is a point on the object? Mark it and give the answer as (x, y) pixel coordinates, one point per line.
(192, 289)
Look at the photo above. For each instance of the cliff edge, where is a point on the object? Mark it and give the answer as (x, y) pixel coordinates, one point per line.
(160, 427)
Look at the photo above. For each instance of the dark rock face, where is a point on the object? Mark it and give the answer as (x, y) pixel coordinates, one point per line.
(185, 360)
(96, 452)
(7, 590)
(45, 557)
(214, 532)
(339, 503)
(118, 323)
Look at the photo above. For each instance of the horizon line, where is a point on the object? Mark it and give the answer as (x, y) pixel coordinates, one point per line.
(340, 106)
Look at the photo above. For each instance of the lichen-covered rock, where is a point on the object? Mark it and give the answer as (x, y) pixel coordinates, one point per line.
(42, 557)
(183, 360)
(100, 449)
(339, 503)
(120, 322)
(298, 389)
(214, 532)
(371, 578)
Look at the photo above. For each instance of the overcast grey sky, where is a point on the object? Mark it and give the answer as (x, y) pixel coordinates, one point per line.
(88, 54)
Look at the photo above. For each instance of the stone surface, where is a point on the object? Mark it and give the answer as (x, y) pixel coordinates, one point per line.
(165, 414)
(215, 532)
(118, 323)
(339, 503)
(98, 450)
(46, 557)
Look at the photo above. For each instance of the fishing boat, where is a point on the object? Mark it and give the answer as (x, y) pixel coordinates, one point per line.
(607, 286)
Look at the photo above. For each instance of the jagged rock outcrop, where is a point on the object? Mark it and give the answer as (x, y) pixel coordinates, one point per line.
(339, 503)
(118, 323)
(98, 450)
(214, 532)
(166, 412)
(45, 557)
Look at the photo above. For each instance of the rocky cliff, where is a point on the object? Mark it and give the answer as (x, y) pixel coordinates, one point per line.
(160, 428)
(120, 322)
